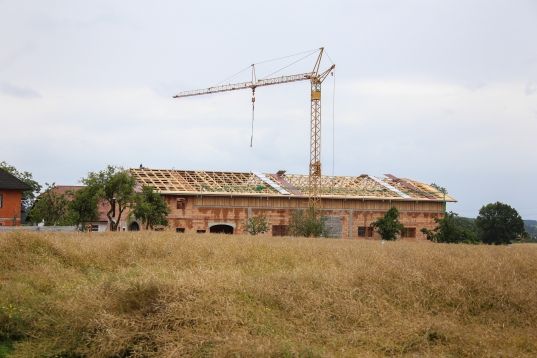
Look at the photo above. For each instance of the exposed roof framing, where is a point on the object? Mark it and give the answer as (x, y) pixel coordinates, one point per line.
(253, 184)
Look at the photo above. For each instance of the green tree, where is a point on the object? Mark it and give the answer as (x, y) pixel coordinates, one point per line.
(83, 207)
(442, 190)
(439, 188)
(309, 223)
(151, 208)
(466, 223)
(114, 187)
(499, 224)
(389, 226)
(50, 207)
(28, 197)
(449, 231)
(257, 225)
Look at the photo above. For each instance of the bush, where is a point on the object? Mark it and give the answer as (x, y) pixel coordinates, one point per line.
(389, 226)
(448, 230)
(309, 223)
(256, 225)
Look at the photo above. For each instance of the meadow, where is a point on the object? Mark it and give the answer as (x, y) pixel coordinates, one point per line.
(158, 294)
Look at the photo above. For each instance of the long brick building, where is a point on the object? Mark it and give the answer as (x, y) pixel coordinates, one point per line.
(205, 201)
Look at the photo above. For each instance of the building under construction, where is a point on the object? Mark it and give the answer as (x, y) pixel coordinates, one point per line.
(220, 202)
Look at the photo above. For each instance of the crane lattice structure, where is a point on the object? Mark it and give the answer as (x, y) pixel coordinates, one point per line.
(316, 79)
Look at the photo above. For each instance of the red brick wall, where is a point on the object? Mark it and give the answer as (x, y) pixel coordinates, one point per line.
(11, 207)
(228, 210)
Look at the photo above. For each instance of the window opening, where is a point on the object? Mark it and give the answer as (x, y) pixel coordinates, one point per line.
(200, 231)
(1, 200)
(364, 231)
(279, 230)
(409, 232)
(181, 203)
(94, 227)
(180, 230)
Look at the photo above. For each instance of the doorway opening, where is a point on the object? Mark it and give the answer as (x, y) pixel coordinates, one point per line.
(134, 227)
(221, 229)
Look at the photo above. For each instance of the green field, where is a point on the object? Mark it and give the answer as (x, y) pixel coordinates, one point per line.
(156, 294)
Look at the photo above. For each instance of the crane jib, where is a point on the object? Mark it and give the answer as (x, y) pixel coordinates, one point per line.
(316, 79)
(245, 85)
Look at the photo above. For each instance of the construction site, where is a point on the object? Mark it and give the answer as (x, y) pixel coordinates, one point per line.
(221, 202)
(203, 201)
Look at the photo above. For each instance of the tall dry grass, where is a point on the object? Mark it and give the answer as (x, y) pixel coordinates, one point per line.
(169, 295)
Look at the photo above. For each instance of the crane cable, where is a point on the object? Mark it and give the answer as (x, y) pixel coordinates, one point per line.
(300, 59)
(254, 79)
(309, 53)
(253, 108)
(280, 58)
(275, 59)
(333, 127)
(334, 124)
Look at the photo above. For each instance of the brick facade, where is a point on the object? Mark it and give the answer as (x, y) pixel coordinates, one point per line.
(10, 210)
(197, 214)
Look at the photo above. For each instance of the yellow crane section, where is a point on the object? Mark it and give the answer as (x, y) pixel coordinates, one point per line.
(316, 79)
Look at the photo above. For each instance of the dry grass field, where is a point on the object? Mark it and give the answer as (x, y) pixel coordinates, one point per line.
(172, 295)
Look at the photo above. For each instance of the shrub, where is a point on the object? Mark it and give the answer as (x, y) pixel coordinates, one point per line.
(256, 225)
(448, 231)
(309, 223)
(389, 226)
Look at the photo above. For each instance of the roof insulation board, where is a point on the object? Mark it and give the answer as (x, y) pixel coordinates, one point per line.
(264, 178)
(388, 186)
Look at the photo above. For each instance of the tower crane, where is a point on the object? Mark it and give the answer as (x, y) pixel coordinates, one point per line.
(316, 79)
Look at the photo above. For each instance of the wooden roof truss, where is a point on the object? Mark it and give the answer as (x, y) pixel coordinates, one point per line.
(247, 183)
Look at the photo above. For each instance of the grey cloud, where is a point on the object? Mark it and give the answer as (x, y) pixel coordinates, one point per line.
(530, 89)
(168, 90)
(15, 56)
(475, 86)
(16, 91)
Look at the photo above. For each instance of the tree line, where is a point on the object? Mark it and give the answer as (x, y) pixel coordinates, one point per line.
(113, 188)
(497, 223)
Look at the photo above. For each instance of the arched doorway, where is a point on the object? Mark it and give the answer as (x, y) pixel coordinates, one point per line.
(221, 229)
(134, 226)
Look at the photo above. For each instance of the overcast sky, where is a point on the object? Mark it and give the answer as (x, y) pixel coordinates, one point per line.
(440, 92)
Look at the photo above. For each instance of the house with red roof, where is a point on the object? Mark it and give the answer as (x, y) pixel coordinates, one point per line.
(96, 226)
(11, 189)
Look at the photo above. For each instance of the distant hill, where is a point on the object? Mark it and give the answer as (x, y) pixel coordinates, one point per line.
(529, 225)
(526, 222)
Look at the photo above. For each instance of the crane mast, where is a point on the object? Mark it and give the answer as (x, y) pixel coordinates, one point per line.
(316, 79)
